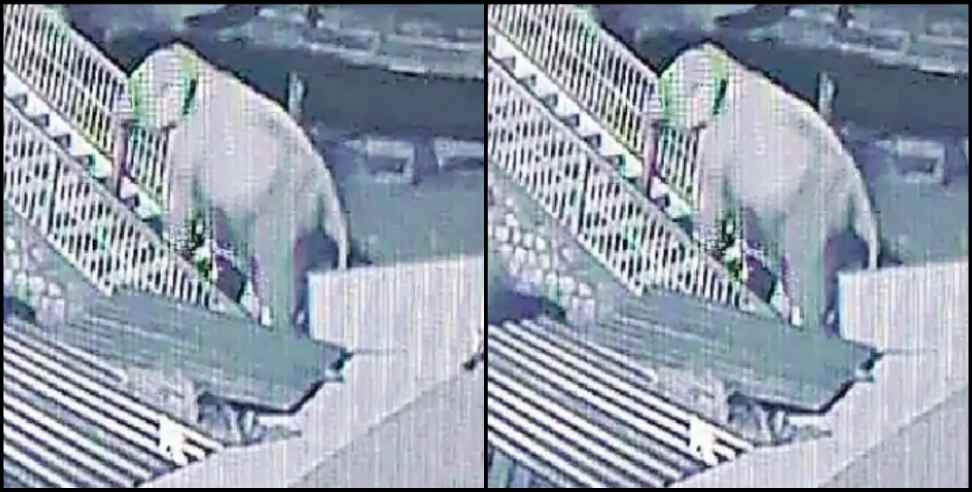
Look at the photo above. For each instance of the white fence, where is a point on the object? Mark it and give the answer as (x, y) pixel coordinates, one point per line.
(81, 83)
(84, 221)
(602, 75)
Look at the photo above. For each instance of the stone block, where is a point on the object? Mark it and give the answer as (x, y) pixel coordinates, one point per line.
(939, 47)
(584, 290)
(568, 286)
(546, 261)
(541, 243)
(551, 285)
(879, 39)
(37, 284)
(821, 13)
(511, 220)
(535, 277)
(20, 285)
(533, 260)
(528, 239)
(506, 251)
(519, 256)
(920, 160)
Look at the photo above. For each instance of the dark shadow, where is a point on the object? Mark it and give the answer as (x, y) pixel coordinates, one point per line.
(228, 16)
(505, 305)
(18, 309)
(758, 16)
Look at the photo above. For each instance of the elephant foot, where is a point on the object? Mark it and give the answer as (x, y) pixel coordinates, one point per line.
(796, 317)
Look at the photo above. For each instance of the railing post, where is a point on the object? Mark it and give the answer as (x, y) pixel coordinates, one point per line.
(296, 90)
(826, 90)
(121, 127)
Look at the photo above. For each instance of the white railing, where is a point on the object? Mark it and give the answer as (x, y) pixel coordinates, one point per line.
(83, 221)
(81, 83)
(602, 76)
(614, 222)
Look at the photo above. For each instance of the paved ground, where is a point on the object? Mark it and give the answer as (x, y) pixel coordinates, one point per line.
(437, 441)
(441, 216)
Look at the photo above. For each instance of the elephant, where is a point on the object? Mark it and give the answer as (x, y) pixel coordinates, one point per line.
(772, 159)
(237, 156)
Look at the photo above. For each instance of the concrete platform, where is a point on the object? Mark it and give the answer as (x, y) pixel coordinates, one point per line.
(923, 315)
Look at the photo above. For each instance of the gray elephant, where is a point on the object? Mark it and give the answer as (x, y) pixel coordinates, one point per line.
(769, 157)
(238, 156)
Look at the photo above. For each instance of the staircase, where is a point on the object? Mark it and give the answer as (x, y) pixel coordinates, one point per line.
(566, 413)
(68, 422)
(573, 176)
(593, 80)
(59, 93)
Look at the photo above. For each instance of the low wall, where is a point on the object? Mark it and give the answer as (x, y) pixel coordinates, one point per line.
(919, 314)
(37, 275)
(419, 319)
(540, 257)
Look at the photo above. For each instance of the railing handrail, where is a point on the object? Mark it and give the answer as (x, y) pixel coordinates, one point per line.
(602, 36)
(625, 119)
(746, 295)
(48, 144)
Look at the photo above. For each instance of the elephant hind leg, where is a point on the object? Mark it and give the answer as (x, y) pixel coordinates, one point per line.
(864, 221)
(331, 218)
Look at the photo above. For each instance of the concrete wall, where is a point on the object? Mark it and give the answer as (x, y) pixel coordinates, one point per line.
(37, 275)
(539, 256)
(429, 308)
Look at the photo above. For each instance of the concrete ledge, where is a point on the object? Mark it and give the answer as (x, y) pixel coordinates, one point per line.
(921, 313)
(414, 323)
(448, 149)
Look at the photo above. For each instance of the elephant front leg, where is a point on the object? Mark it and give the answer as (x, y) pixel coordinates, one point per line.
(804, 279)
(711, 207)
(274, 275)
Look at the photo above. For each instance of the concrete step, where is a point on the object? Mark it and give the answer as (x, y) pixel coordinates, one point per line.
(573, 120)
(529, 81)
(41, 120)
(19, 100)
(593, 140)
(63, 140)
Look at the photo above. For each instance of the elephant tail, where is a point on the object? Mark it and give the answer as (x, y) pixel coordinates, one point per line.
(863, 218)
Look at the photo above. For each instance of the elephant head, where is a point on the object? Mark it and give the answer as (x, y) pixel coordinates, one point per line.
(693, 89)
(163, 88)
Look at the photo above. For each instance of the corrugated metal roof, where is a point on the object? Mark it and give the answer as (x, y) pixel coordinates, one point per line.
(566, 413)
(68, 423)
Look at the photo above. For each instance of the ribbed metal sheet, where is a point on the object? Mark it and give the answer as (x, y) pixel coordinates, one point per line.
(68, 423)
(570, 414)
